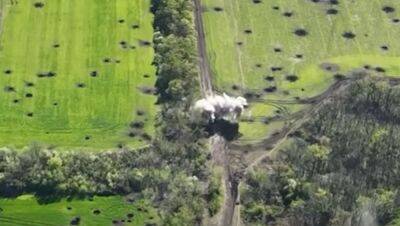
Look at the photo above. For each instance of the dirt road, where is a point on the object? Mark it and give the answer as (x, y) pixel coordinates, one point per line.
(205, 70)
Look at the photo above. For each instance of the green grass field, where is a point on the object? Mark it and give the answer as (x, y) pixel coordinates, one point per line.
(245, 40)
(25, 211)
(72, 73)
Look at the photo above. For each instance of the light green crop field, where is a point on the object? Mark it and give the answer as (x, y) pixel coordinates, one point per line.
(254, 46)
(25, 211)
(73, 73)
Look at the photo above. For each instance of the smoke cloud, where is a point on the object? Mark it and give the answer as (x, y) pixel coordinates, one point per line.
(221, 107)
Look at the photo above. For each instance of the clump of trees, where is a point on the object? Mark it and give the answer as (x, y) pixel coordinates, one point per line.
(47, 172)
(341, 168)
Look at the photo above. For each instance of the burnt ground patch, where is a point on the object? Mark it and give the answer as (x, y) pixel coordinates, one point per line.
(269, 78)
(332, 11)
(218, 9)
(38, 5)
(388, 9)
(144, 43)
(301, 32)
(329, 67)
(224, 128)
(292, 78)
(270, 89)
(348, 35)
(9, 89)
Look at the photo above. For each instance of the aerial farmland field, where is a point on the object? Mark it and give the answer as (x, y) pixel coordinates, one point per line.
(289, 50)
(76, 73)
(100, 211)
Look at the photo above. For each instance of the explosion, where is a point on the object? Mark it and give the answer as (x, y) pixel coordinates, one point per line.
(221, 107)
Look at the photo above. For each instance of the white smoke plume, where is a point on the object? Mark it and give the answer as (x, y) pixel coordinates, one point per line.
(221, 106)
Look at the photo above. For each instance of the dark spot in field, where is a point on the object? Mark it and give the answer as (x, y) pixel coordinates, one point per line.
(81, 85)
(334, 2)
(270, 89)
(51, 74)
(29, 95)
(93, 73)
(106, 60)
(123, 43)
(269, 78)
(275, 7)
(146, 136)
(380, 69)
(129, 215)
(117, 61)
(330, 67)
(91, 198)
(135, 26)
(388, 9)
(96, 212)
(7, 71)
(132, 134)
(302, 89)
(339, 76)
(276, 69)
(248, 31)
(121, 21)
(133, 47)
(144, 43)
(385, 47)
(288, 14)
(148, 90)
(69, 208)
(300, 32)
(29, 84)
(292, 78)
(30, 114)
(332, 11)
(75, 221)
(129, 221)
(277, 50)
(87, 137)
(15, 101)
(257, 1)
(348, 35)
(367, 67)
(235, 87)
(140, 113)
(218, 9)
(258, 65)
(137, 125)
(115, 221)
(55, 104)
(38, 4)
(146, 76)
(299, 56)
(395, 20)
(56, 45)
(249, 95)
(9, 89)
(239, 43)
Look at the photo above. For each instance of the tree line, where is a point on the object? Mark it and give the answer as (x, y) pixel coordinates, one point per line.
(341, 168)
